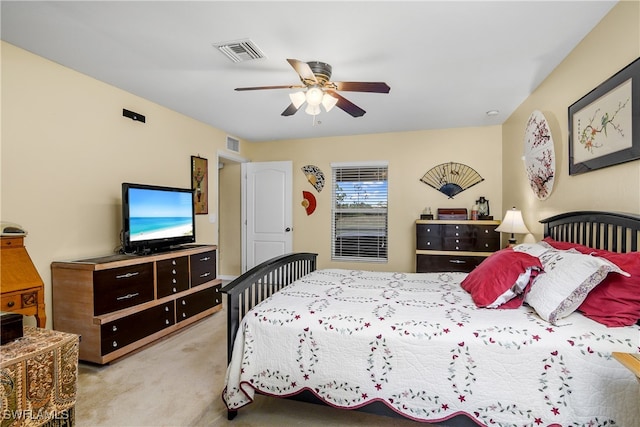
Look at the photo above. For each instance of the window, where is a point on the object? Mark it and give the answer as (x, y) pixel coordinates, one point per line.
(359, 213)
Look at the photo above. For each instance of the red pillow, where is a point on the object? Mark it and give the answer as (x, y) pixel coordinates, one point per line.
(502, 279)
(615, 301)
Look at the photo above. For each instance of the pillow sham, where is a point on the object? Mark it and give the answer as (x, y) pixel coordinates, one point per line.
(616, 301)
(569, 277)
(500, 281)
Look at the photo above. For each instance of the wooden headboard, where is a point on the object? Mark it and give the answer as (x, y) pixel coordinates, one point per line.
(613, 231)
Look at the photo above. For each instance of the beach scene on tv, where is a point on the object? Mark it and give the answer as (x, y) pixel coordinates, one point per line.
(157, 214)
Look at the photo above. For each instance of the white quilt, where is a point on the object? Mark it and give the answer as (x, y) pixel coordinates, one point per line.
(418, 343)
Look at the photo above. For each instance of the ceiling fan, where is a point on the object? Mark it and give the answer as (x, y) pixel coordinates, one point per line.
(315, 77)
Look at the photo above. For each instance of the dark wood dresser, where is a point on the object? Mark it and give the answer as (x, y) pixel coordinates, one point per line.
(454, 245)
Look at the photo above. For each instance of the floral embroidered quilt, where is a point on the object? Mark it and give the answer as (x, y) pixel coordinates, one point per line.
(418, 343)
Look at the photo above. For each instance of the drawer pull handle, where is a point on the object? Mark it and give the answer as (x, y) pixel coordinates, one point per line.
(457, 261)
(175, 290)
(174, 281)
(115, 344)
(114, 328)
(205, 274)
(128, 296)
(207, 258)
(11, 303)
(173, 271)
(173, 261)
(166, 309)
(184, 314)
(166, 322)
(126, 276)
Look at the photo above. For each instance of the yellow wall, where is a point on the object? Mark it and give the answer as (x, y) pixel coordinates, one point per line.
(613, 43)
(410, 155)
(66, 149)
(230, 231)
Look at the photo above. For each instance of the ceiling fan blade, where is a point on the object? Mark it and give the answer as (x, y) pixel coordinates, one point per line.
(346, 105)
(271, 87)
(377, 87)
(304, 71)
(290, 111)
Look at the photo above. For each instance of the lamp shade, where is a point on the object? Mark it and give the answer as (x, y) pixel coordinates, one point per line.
(297, 98)
(314, 96)
(513, 223)
(312, 110)
(328, 102)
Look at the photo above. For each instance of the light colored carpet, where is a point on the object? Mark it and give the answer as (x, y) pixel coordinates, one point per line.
(177, 382)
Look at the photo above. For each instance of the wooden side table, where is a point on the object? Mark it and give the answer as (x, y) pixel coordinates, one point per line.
(39, 378)
(21, 285)
(631, 361)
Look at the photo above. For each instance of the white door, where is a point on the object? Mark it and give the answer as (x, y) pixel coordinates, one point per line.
(268, 210)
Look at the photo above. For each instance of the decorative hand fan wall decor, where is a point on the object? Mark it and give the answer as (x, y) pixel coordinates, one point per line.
(451, 178)
(314, 176)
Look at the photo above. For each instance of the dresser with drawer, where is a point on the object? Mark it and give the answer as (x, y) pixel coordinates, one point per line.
(454, 245)
(120, 303)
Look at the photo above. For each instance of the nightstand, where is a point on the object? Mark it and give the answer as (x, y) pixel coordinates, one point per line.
(631, 361)
(22, 287)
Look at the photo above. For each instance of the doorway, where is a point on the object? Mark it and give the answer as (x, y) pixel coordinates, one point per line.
(229, 216)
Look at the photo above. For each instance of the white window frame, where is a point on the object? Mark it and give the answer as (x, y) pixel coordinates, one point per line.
(379, 211)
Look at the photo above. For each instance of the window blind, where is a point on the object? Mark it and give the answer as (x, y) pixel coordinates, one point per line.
(359, 212)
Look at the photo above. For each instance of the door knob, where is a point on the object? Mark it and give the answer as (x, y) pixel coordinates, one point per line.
(288, 229)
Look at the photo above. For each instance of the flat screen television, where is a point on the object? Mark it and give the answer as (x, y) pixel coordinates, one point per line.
(156, 218)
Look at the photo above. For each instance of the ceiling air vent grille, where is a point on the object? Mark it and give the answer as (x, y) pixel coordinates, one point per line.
(240, 50)
(233, 144)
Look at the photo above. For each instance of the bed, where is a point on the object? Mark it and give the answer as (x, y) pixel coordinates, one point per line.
(419, 346)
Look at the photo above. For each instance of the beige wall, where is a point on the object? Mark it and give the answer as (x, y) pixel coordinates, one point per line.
(230, 231)
(410, 155)
(614, 43)
(66, 149)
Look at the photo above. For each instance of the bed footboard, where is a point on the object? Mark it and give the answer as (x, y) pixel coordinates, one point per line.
(259, 283)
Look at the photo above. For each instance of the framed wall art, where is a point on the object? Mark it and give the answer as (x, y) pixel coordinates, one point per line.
(539, 155)
(604, 125)
(200, 184)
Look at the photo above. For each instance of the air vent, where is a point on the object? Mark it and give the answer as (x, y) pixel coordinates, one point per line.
(233, 144)
(240, 50)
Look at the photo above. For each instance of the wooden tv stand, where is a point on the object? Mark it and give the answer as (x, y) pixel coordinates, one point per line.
(120, 303)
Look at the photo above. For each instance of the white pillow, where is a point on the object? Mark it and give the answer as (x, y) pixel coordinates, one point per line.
(567, 279)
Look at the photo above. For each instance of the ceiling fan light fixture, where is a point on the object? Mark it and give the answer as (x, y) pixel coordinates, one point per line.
(312, 110)
(328, 102)
(297, 98)
(314, 96)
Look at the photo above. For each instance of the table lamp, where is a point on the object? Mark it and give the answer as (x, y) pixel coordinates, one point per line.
(513, 224)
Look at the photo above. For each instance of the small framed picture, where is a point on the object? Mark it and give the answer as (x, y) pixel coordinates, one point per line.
(604, 125)
(200, 184)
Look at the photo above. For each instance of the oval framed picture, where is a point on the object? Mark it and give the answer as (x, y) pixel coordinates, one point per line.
(539, 155)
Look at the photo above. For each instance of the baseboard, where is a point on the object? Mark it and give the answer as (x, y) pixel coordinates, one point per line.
(226, 277)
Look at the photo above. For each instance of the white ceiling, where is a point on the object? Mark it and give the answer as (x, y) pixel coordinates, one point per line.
(447, 62)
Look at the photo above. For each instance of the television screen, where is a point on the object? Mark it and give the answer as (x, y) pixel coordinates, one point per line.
(156, 217)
